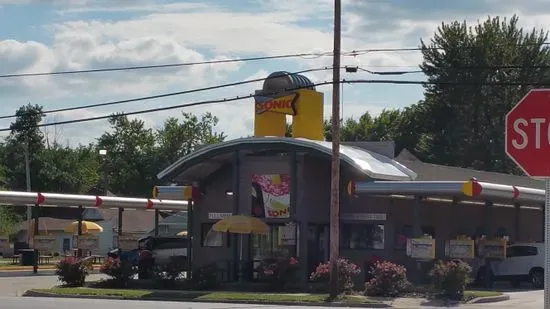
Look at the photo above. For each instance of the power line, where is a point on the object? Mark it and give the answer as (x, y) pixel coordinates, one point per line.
(238, 98)
(172, 65)
(353, 53)
(164, 95)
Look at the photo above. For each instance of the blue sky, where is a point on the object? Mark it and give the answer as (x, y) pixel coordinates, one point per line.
(55, 35)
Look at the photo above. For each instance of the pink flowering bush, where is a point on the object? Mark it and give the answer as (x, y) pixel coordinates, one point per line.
(347, 272)
(121, 272)
(72, 271)
(388, 279)
(278, 272)
(450, 278)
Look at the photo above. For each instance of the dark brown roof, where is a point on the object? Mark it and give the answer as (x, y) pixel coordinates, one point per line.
(133, 221)
(427, 172)
(48, 224)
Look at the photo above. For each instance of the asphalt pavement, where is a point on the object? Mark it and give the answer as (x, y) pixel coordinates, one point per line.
(58, 303)
(15, 284)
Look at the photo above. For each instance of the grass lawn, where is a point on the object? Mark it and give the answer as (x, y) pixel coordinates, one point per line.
(206, 296)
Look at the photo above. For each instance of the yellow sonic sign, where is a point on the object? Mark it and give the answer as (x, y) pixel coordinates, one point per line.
(282, 105)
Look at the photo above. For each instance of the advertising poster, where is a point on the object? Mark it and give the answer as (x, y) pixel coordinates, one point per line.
(271, 196)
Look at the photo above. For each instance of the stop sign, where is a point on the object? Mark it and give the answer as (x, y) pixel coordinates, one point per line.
(528, 133)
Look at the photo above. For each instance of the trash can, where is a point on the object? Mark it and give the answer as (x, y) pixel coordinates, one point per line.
(27, 257)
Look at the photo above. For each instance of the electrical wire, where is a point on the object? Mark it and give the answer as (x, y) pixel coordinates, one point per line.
(164, 95)
(172, 65)
(65, 109)
(353, 53)
(238, 98)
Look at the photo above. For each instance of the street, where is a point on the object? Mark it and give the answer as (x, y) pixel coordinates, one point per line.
(527, 300)
(15, 284)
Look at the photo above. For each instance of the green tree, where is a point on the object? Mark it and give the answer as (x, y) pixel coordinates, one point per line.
(68, 170)
(466, 121)
(130, 156)
(179, 138)
(9, 221)
(24, 134)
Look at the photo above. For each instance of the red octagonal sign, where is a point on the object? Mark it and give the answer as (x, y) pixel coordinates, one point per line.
(528, 133)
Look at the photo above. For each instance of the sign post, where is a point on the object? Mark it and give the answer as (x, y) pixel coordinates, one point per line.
(527, 143)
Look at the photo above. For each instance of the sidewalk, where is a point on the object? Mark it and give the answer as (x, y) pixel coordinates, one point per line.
(16, 268)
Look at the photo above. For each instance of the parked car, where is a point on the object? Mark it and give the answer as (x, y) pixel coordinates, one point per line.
(162, 249)
(524, 262)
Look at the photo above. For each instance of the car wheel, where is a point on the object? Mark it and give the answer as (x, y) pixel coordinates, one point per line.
(537, 279)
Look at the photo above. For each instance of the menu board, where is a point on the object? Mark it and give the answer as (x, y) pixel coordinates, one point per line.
(460, 248)
(492, 249)
(421, 248)
(45, 243)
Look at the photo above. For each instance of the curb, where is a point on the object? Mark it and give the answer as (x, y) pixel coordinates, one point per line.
(489, 299)
(30, 293)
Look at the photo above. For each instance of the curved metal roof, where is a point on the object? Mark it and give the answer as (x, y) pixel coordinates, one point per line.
(370, 164)
(281, 80)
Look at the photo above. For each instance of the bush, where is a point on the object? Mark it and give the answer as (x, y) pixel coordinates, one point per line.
(205, 277)
(347, 272)
(56, 254)
(388, 279)
(277, 272)
(450, 278)
(121, 272)
(166, 275)
(72, 271)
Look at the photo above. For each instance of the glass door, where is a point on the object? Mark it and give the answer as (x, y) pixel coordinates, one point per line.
(318, 245)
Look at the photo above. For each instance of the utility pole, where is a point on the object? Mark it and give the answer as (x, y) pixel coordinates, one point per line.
(335, 177)
(28, 180)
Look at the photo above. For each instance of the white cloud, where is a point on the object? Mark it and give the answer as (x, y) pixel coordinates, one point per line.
(194, 31)
(134, 7)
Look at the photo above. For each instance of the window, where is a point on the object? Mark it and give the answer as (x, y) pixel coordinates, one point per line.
(211, 238)
(517, 251)
(362, 236)
(271, 245)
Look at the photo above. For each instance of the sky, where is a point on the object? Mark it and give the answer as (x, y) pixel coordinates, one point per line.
(59, 35)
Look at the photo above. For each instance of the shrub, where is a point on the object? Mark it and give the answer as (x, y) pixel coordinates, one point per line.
(388, 279)
(450, 278)
(166, 275)
(72, 271)
(121, 272)
(205, 277)
(277, 272)
(347, 271)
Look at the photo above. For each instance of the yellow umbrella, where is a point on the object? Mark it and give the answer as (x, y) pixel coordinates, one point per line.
(88, 227)
(240, 224)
